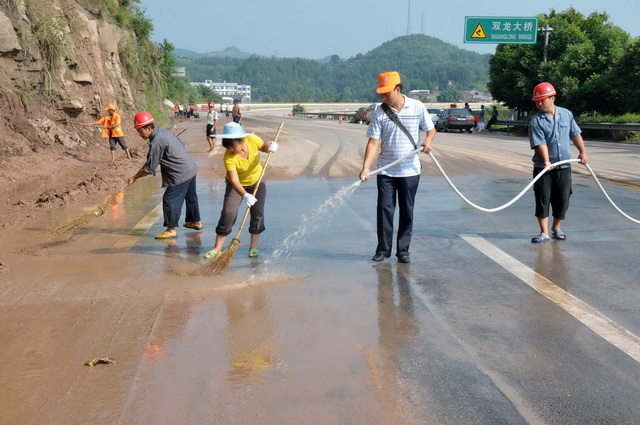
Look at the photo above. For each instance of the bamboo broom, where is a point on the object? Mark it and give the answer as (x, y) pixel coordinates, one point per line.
(80, 222)
(223, 261)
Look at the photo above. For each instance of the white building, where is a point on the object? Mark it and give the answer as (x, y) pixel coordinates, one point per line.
(242, 92)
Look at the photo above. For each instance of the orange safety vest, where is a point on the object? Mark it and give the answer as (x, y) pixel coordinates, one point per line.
(108, 121)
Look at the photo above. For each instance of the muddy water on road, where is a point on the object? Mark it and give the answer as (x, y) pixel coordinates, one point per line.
(294, 339)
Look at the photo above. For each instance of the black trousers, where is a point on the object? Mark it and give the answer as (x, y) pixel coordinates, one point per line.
(392, 190)
(174, 197)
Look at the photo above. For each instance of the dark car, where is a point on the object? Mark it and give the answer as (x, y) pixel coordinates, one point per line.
(371, 111)
(455, 119)
(361, 115)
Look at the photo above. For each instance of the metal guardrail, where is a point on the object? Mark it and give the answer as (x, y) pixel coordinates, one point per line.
(584, 125)
(346, 116)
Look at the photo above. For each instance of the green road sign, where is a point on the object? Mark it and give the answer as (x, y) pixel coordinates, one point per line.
(500, 30)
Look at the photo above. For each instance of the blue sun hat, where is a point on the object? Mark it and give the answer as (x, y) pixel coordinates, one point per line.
(232, 130)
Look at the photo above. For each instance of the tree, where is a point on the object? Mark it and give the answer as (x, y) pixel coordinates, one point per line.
(581, 52)
(449, 95)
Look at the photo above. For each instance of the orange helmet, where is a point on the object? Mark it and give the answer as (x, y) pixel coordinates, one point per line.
(542, 91)
(142, 119)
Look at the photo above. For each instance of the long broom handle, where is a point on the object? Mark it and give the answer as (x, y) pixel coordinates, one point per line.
(255, 191)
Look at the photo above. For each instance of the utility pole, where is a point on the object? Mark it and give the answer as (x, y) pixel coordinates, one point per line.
(422, 24)
(546, 30)
(409, 19)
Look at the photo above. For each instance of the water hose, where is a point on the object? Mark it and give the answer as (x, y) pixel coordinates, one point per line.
(520, 195)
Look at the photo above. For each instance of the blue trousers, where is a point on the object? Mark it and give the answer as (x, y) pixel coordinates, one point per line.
(392, 190)
(174, 197)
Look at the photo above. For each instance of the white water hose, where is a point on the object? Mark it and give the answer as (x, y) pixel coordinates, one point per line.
(455, 189)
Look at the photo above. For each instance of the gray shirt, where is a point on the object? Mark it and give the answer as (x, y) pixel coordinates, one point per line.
(166, 150)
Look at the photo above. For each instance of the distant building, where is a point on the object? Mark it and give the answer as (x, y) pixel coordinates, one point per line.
(476, 96)
(241, 92)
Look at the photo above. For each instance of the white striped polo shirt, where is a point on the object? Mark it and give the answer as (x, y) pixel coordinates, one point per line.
(394, 144)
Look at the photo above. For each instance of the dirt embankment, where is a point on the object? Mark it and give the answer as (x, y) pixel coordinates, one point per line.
(60, 63)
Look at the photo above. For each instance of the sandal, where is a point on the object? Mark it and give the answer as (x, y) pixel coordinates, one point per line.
(166, 235)
(191, 225)
(212, 253)
(559, 235)
(540, 238)
(253, 253)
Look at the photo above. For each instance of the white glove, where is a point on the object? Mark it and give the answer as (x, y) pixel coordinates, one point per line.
(273, 146)
(249, 199)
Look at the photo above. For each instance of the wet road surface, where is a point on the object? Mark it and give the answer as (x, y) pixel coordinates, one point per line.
(481, 327)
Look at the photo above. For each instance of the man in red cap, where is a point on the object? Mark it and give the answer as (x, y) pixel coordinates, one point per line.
(401, 180)
(550, 132)
(112, 130)
(212, 122)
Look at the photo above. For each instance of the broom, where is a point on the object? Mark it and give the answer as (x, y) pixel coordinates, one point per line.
(80, 222)
(222, 261)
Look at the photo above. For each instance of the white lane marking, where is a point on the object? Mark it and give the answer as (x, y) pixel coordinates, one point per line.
(139, 229)
(620, 337)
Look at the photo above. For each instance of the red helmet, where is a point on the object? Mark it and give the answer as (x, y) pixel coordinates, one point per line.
(142, 119)
(542, 91)
(211, 104)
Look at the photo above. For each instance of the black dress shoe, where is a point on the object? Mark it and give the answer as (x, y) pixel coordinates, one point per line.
(404, 259)
(378, 257)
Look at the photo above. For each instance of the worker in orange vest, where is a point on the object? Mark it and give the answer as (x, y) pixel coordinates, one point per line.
(112, 130)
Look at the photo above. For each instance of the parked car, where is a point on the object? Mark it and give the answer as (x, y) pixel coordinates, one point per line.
(455, 119)
(371, 110)
(361, 115)
(434, 113)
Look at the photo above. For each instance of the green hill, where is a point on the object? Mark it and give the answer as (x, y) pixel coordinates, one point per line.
(424, 63)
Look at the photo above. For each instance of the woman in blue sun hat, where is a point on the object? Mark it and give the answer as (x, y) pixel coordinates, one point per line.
(242, 163)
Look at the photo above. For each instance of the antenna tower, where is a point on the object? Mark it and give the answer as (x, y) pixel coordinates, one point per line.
(409, 19)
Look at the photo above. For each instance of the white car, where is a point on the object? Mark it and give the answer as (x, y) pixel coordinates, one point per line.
(434, 114)
(371, 110)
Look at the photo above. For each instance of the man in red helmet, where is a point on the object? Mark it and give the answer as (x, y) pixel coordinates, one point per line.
(550, 132)
(178, 171)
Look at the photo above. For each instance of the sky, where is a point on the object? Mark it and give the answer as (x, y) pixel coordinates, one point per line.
(317, 29)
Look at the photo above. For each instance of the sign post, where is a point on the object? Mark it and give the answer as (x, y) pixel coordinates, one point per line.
(500, 30)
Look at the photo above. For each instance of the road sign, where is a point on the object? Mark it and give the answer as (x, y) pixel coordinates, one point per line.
(500, 30)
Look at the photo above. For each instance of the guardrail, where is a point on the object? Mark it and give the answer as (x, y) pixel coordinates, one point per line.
(583, 125)
(508, 123)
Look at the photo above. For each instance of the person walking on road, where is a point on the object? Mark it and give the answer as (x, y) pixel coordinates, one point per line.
(212, 122)
(481, 119)
(550, 131)
(236, 114)
(400, 181)
(178, 171)
(242, 162)
(112, 130)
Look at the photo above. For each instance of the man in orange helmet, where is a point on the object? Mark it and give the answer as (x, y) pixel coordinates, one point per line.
(178, 171)
(550, 131)
(112, 130)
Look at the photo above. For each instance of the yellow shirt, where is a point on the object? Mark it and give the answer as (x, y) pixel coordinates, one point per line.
(248, 169)
(108, 121)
